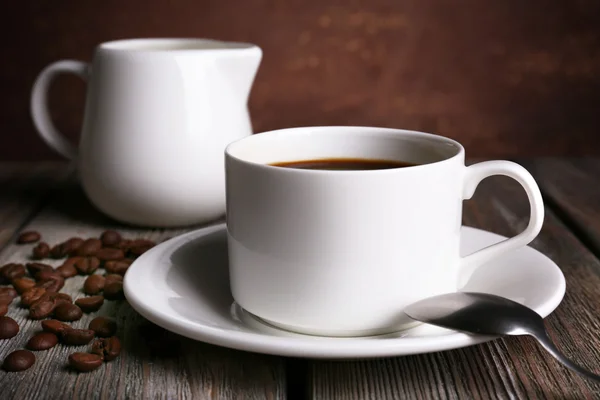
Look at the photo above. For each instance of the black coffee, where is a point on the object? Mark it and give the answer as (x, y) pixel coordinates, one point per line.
(344, 164)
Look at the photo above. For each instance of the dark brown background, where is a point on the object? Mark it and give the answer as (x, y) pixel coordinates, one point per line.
(506, 78)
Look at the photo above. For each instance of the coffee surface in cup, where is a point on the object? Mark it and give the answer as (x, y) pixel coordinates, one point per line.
(343, 164)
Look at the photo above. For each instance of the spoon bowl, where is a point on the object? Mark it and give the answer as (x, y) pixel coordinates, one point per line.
(488, 314)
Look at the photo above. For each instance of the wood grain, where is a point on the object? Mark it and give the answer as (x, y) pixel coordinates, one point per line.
(572, 186)
(514, 367)
(184, 370)
(24, 188)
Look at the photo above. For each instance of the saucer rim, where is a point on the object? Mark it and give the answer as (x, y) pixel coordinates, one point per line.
(313, 346)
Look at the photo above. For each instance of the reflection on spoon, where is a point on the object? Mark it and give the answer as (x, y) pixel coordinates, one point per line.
(488, 314)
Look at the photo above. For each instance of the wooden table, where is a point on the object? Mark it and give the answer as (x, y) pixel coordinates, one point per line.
(44, 197)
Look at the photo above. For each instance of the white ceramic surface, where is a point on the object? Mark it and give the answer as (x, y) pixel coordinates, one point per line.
(339, 253)
(158, 115)
(183, 286)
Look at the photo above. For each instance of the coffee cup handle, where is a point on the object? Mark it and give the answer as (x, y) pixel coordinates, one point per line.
(474, 174)
(39, 104)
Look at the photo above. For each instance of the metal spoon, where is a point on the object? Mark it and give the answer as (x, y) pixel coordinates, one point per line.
(488, 314)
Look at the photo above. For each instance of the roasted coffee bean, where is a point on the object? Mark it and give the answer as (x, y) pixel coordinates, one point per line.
(113, 278)
(61, 298)
(59, 251)
(108, 348)
(103, 326)
(110, 238)
(22, 285)
(53, 283)
(76, 337)
(84, 362)
(42, 308)
(113, 290)
(89, 247)
(28, 237)
(42, 250)
(71, 261)
(68, 312)
(7, 295)
(67, 271)
(18, 360)
(140, 246)
(8, 327)
(11, 271)
(3, 309)
(90, 304)
(87, 265)
(42, 341)
(47, 275)
(35, 267)
(117, 267)
(72, 245)
(110, 254)
(124, 245)
(93, 284)
(32, 295)
(54, 326)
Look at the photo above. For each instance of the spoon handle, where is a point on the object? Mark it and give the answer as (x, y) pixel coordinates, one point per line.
(544, 340)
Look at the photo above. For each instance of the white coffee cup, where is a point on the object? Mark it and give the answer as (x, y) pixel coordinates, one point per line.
(158, 115)
(341, 253)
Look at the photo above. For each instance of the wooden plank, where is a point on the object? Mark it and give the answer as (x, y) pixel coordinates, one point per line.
(572, 186)
(189, 370)
(24, 187)
(514, 367)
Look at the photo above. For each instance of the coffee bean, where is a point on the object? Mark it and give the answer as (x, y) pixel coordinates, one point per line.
(117, 267)
(124, 245)
(72, 245)
(53, 283)
(32, 295)
(110, 238)
(47, 275)
(42, 308)
(67, 271)
(89, 247)
(140, 246)
(108, 348)
(109, 254)
(71, 261)
(93, 284)
(22, 285)
(84, 362)
(87, 265)
(103, 326)
(68, 312)
(42, 341)
(11, 271)
(7, 295)
(35, 267)
(42, 250)
(18, 360)
(76, 337)
(3, 309)
(58, 251)
(28, 237)
(61, 298)
(113, 290)
(113, 278)
(54, 326)
(90, 304)
(8, 327)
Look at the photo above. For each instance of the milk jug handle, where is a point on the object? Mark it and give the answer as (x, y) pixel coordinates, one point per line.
(39, 104)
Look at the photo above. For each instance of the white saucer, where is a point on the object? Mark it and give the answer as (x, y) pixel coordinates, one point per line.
(183, 286)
